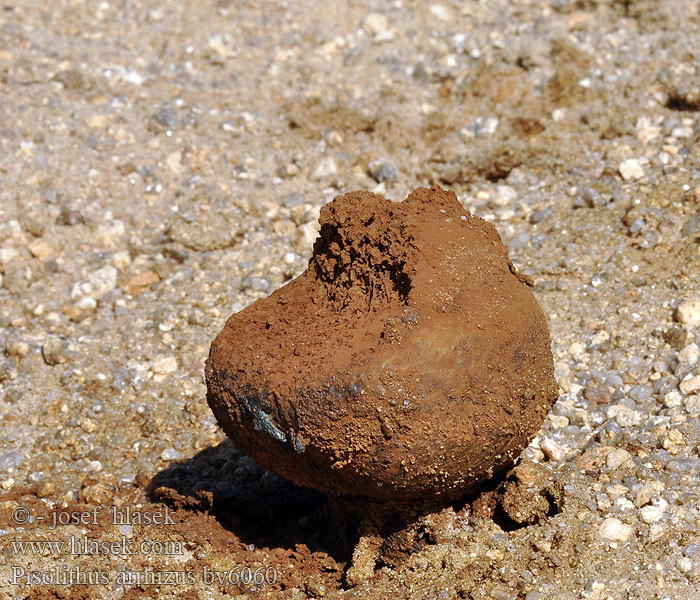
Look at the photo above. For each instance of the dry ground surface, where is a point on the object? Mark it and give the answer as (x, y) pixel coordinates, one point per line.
(162, 165)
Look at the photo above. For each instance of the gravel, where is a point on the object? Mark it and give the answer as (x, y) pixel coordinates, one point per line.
(688, 312)
(631, 169)
(613, 529)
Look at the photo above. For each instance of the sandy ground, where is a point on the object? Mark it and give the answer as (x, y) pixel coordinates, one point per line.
(162, 165)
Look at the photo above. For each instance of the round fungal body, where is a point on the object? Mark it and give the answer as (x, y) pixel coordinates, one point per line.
(409, 362)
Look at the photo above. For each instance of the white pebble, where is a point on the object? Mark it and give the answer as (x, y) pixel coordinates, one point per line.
(600, 338)
(133, 78)
(170, 454)
(692, 405)
(626, 417)
(7, 255)
(690, 354)
(614, 529)
(688, 312)
(505, 195)
(439, 11)
(552, 450)
(121, 260)
(97, 283)
(561, 370)
(164, 364)
(690, 385)
(644, 495)
(631, 169)
(650, 514)
(575, 389)
(377, 25)
(616, 458)
(306, 236)
(684, 564)
(655, 532)
(673, 399)
(86, 303)
(110, 233)
(326, 167)
(653, 512)
(577, 351)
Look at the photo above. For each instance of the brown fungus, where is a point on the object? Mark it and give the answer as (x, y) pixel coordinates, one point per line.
(409, 362)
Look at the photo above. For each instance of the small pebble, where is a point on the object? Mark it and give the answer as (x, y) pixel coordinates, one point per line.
(377, 25)
(440, 11)
(7, 255)
(16, 346)
(676, 337)
(631, 169)
(692, 405)
(684, 564)
(110, 233)
(97, 283)
(382, 170)
(627, 417)
(94, 466)
(577, 351)
(41, 250)
(306, 236)
(504, 195)
(653, 512)
(164, 364)
(140, 283)
(87, 303)
(259, 284)
(552, 450)
(613, 529)
(688, 312)
(170, 454)
(167, 117)
(97, 493)
(10, 460)
(616, 458)
(690, 354)
(643, 496)
(673, 399)
(691, 226)
(324, 169)
(690, 385)
(55, 350)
